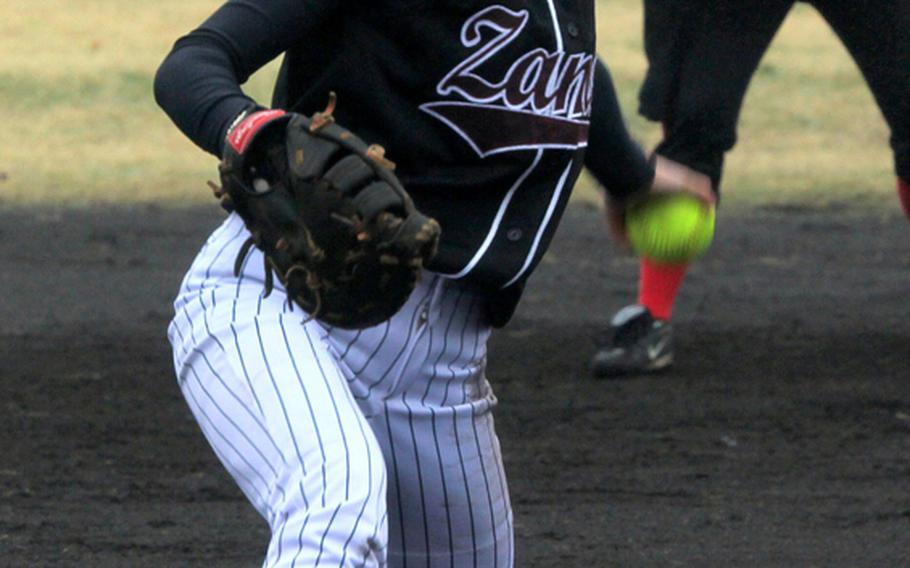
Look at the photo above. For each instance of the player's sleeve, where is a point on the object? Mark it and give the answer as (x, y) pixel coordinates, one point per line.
(615, 160)
(198, 83)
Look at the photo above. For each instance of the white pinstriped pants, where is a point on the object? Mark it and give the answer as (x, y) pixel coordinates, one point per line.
(359, 448)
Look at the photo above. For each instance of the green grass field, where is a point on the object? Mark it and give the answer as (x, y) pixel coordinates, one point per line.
(82, 126)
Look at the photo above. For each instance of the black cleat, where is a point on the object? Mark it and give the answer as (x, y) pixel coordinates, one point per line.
(638, 343)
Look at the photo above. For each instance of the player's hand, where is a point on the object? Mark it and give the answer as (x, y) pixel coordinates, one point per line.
(669, 177)
(673, 177)
(616, 222)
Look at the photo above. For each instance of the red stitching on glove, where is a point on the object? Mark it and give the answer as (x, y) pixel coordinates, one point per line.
(240, 137)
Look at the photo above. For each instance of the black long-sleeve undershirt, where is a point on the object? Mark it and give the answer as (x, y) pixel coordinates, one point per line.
(198, 84)
(615, 160)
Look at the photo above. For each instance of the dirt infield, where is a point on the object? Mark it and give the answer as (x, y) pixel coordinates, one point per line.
(782, 437)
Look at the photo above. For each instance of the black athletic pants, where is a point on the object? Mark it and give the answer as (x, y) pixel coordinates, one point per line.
(703, 53)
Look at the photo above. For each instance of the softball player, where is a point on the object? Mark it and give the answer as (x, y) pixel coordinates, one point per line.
(701, 57)
(377, 447)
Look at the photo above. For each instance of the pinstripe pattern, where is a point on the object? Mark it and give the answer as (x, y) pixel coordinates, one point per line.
(364, 448)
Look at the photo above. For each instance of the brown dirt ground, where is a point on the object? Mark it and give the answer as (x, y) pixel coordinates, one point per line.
(782, 437)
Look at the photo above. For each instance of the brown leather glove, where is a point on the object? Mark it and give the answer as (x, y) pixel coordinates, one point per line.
(330, 216)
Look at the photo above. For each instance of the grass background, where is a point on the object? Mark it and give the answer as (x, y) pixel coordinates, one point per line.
(81, 125)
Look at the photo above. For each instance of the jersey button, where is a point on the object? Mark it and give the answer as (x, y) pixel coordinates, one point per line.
(572, 29)
(514, 234)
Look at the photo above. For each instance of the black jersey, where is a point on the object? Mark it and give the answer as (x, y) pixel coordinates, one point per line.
(486, 108)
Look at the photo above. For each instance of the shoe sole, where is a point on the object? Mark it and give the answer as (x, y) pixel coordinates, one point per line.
(656, 366)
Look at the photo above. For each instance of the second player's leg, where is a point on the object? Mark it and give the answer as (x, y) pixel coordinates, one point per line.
(724, 44)
(877, 35)
(701, 57)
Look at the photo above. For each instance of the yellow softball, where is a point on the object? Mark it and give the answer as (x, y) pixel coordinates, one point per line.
(672, 228)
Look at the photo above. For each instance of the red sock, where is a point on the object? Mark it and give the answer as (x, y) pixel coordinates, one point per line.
(658, 285)
(903, 191)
